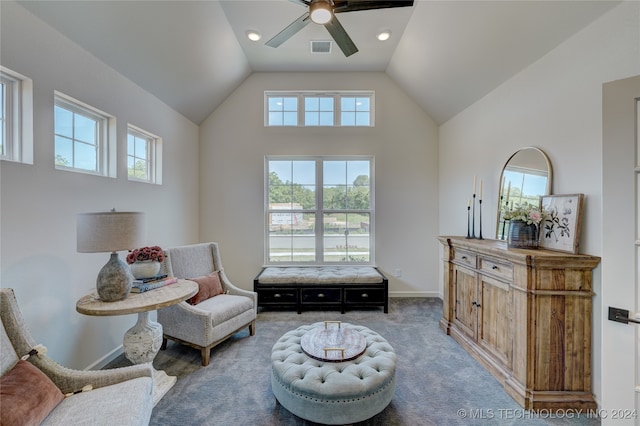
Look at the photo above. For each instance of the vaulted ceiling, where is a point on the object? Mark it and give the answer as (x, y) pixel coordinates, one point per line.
(193, 54)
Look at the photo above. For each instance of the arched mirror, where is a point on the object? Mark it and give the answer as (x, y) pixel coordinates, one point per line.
(526, 177)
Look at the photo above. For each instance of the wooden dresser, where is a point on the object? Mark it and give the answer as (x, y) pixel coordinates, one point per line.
(525, 315)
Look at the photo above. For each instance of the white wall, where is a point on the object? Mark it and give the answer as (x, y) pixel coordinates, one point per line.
(555, 104)
(234, 143)
(39, 203)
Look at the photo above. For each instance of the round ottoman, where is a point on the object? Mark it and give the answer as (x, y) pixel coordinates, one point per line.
(333, 392)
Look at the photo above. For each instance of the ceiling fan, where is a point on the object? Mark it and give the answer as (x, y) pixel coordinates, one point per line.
(323, 12)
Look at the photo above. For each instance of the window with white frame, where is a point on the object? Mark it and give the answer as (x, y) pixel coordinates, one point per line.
(311, 109)
(319, 210)
(16, 117)
(144, 153)
(84, 138)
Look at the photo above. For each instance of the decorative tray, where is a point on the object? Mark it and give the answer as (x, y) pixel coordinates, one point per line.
(334, 344)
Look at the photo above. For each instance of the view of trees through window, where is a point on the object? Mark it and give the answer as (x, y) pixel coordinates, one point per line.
(319, 210)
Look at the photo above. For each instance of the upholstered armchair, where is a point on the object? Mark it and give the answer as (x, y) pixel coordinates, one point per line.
(37, 390)
(208, 322)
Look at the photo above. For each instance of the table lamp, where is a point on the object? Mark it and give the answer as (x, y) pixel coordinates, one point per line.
(111, 232)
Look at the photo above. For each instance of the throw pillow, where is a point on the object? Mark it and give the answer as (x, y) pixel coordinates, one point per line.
(27, 395)
(208, 286)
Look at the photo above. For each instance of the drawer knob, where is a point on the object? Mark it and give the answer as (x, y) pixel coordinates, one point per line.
(365, 295)
(494, 267)
(464, 257)
(320, 294)
(277, 295)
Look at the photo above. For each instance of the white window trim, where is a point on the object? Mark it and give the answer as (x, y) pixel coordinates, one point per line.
(107, 147)
(19, 117)
(155, 155)
(336, 94)
(319, 159)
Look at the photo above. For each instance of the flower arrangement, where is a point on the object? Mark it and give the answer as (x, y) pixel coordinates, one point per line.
(525, 213)
(145, 253)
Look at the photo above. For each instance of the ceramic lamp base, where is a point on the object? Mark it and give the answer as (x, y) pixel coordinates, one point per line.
(114, 280)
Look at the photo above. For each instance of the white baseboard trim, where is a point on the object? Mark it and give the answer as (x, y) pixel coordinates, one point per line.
(102, 362)
(415, 294)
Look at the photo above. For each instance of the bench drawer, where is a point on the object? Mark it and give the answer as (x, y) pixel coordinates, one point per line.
(321, 295)
(364, 295)
(284, 295)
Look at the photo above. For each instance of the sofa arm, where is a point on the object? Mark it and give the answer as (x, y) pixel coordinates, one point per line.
(69, 380)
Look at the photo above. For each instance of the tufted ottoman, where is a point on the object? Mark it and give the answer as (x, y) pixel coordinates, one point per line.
(333, 392)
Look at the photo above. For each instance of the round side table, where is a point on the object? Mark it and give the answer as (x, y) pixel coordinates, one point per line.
(142, 342)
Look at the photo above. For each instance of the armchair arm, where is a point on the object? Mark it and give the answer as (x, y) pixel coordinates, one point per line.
(69, 380)
(232, 289)
(185, 322)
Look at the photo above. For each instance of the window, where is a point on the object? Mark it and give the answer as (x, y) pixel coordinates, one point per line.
(144, 153)
(318, 111)
(83, 138)
(16, 117)
(319, 210)
(355, 110)
(340, 109)
(282, 111)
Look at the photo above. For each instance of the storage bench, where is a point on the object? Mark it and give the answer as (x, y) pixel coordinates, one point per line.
(338, 287)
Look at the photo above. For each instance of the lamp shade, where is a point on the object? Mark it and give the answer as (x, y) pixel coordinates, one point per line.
(110, 231)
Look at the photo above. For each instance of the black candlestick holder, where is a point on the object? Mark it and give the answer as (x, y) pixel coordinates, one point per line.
(468, 222)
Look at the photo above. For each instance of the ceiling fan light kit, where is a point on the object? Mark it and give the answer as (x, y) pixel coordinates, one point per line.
(323, 12)
(320, 11)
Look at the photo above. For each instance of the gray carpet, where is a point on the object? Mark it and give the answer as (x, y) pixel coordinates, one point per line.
(438, 383)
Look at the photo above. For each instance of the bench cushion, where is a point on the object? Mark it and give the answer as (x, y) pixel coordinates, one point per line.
(320, 275)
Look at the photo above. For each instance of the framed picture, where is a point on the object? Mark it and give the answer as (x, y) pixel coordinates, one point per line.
(561, 229)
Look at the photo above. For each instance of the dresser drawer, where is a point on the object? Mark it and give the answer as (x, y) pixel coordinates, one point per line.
(321, 295)
(465, 257)
(496, 268)
(285, 295)
(364, 295)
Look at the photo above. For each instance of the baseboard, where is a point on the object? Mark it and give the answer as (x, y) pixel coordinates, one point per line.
(105, 360)
(415, 294)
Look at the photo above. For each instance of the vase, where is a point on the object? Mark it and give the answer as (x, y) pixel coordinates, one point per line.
(145, 269)
(523, 235)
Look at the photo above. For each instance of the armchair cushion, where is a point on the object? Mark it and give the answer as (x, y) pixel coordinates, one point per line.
(208, 286)
(29, 393)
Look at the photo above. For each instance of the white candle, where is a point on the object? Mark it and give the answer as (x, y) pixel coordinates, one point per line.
(474, 185)
(469, 202)
(508, 192)
(481, 189)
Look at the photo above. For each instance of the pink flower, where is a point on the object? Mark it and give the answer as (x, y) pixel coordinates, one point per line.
(145, 253)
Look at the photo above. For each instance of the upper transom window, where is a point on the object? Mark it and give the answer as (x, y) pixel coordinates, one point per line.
(310, 109)
(83, 141)
(16, 117)
(144, 156)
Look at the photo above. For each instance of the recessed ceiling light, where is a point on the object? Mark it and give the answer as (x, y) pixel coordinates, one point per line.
(384, 35)
(253, 35)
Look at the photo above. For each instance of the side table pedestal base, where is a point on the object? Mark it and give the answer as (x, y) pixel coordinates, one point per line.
(141, 343)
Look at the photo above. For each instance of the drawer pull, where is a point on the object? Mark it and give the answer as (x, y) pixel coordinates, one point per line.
(320, 294)
(277, 295)
(464, 257)
(363, 295)
(494, 267)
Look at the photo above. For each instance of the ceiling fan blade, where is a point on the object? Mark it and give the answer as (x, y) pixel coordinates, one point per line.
(353, 5)
(301, 2)
(341, 37)
(288, 32)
